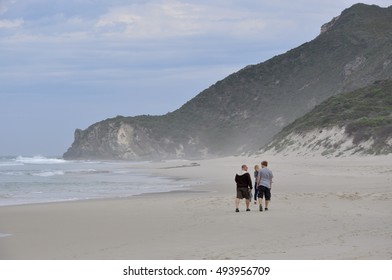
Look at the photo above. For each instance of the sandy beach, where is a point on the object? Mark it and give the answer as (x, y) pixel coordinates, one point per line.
(337, 208)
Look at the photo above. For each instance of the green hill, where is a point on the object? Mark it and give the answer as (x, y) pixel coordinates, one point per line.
(246, 109)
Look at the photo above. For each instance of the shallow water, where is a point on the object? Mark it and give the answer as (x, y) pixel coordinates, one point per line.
(25, 180)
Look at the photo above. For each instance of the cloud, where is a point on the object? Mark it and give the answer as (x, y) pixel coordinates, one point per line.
(6, 23)
(117, 16)
(176, 18)
(152, 19)
(128, 46)
(4, 6)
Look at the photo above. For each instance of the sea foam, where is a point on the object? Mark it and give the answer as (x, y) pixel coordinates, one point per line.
(38, 160)
(40, 179)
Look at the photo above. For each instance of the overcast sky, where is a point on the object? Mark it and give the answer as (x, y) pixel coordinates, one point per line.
(66, 64)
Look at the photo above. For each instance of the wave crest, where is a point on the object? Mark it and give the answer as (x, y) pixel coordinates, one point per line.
(38, 160)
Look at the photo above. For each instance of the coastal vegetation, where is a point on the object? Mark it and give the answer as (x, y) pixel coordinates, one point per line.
(365, 114)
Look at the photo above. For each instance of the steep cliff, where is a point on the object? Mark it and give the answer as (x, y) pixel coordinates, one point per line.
(245, 110)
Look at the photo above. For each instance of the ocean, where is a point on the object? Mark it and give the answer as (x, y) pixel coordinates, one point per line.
(27, 180)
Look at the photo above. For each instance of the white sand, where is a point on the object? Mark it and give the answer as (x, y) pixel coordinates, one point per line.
(337, 208)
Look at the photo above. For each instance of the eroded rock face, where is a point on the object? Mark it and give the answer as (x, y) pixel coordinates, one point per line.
(115, 140)
(120, 139)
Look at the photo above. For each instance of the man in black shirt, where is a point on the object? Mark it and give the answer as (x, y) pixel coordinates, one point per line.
(244, 184)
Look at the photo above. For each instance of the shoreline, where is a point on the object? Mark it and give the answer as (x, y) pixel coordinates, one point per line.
(320, 209)
(160, 183)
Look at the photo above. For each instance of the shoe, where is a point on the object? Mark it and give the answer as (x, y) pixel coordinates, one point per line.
(266, 209)
(237, 210)
(255, 203)
(261, 208)
(248, 209)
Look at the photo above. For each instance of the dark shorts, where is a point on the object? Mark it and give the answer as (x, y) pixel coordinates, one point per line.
(243, 193)
(264, 191)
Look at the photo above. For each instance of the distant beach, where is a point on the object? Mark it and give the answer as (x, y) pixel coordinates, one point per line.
(336, 208)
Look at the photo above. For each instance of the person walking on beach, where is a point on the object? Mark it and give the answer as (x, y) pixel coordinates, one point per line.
(244, 184)
(256, 173)
(264, 182)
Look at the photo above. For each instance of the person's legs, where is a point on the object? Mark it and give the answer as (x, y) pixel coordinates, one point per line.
(256, 194)
(267, 198)
(237, 203)
(240, 195)
(260, 198)
(267, 202)
(247, 202)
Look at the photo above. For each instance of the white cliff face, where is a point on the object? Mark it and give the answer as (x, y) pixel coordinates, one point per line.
(131, 143)
(125, 135)
(330, 142)
(126, 141)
